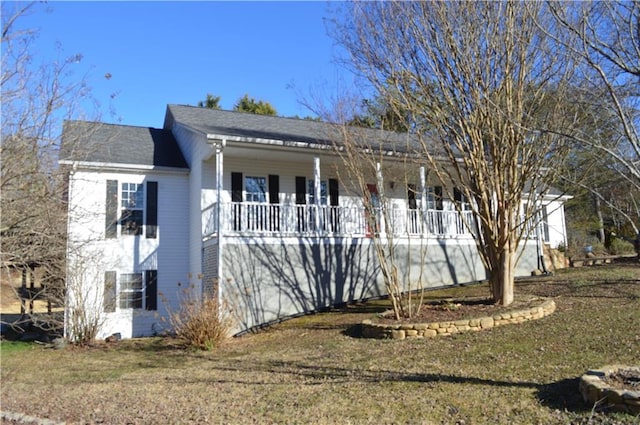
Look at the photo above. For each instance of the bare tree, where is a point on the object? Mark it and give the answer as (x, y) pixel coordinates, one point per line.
(478, 79)
(604, 39)
(370, 165)
(36, 98)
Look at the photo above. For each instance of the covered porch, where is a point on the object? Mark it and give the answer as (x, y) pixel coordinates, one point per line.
(286, 220)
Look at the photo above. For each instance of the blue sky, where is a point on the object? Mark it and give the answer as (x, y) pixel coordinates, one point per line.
(156, 53)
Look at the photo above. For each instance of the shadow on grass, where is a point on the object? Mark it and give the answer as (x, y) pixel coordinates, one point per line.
(316, 374)
(562, 395)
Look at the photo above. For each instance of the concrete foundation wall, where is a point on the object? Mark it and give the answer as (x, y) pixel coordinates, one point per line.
(267, 279)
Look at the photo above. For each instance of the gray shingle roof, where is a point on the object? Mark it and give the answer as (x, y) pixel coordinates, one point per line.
(252, 126)
(119, 144)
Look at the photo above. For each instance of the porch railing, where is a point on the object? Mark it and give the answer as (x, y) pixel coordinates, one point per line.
(264, 219)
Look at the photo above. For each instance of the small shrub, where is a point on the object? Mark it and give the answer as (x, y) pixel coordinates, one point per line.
(621, 247)
(200, 322)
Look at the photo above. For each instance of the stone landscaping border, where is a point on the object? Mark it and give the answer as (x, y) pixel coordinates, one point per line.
(430, 330)
(597, 392)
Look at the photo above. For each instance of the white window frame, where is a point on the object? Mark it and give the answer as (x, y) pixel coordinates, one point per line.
(122, 290)
(137, 205)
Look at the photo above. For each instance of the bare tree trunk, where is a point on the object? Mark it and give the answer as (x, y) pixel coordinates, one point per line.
(502, 277)
(596, 204)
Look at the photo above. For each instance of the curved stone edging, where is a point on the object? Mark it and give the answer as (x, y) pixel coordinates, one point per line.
(596, 391)
(430, 330)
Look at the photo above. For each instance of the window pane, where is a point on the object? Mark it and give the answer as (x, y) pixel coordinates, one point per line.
(256, 189)
(431, 200)
(131, 281)
(311, 191)
(132, 195)
(131, 300)
(131, 222)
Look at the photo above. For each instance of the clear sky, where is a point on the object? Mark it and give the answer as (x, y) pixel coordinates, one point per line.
(150, 54)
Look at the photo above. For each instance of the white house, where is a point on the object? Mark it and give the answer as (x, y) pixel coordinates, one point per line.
(225, 203)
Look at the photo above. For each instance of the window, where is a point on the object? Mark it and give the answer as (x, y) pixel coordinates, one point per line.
(461, 199)
(132, 208)
(128, 210)
(255, 189)
(311, 191)
(131, 290)
(431, 198)
(414, 197)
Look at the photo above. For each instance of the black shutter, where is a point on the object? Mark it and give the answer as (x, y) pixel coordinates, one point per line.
(333, 201)
(301, 190)
(236, 187)
(437, 192)
(301, 199)
(274, 199)
(236, 196)
(151, 291)
(333, 192)
(152, 210)
(411, 196)
(109, 295)
(274, 189)
(457, 195)
(111, 216)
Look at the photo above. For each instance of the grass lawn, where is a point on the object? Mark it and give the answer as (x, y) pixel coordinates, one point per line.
(310, 370)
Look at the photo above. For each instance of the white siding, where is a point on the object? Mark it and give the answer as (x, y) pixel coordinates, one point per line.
(194, 147)
(90, 254)
(556, 223)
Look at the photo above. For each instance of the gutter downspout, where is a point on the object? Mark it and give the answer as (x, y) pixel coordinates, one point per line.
(67, 302)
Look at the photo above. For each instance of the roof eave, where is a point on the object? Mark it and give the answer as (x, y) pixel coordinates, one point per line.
(117, 167)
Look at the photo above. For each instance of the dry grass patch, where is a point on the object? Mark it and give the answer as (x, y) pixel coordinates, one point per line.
(310, 370)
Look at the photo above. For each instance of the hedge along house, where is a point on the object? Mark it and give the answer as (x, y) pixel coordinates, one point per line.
(254, 210)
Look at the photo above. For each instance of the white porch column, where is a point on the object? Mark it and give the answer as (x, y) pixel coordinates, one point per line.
(423, 199)
(317, 191)
(219, 214)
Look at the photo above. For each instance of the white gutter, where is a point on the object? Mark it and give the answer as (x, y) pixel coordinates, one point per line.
(112, 166)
